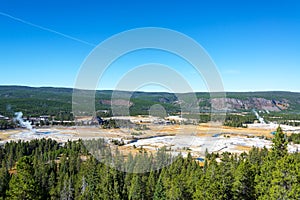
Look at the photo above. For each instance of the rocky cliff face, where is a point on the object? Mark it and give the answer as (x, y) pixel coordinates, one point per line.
(233, 104)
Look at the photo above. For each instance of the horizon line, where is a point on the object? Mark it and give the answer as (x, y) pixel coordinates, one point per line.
(108, 89)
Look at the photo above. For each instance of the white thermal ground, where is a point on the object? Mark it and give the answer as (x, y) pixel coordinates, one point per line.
(27, 135)
(197, 145)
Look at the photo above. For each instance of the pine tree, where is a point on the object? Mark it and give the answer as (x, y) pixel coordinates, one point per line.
(4, 181)
(137, 189)
(280, 142)
(263, 177)
(159, 193)
(284, 184)
(243, 185)
(150, 185)
(22, 184)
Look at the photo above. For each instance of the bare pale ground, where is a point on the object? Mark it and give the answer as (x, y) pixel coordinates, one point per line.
(200, 130)
(235, 141)
(243, 148)
(5, 134)
(208, 129)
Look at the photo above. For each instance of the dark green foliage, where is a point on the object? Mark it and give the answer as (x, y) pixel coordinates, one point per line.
(55, 101)
(159, 193)
(111, 123)
(295, 138)
(4, 181)
(287, 118)
(5, 124)
(239, 120)
(204, 118)
(280, 142)
(43, 169)
(243, 185)
(22, 184)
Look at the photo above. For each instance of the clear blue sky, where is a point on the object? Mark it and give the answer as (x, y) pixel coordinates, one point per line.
(255, 44)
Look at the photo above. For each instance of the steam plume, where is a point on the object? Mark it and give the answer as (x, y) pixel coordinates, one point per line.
(24, 124)
(260, 119)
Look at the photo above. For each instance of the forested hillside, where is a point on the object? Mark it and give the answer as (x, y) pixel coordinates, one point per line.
(44, 169)
(53, 101)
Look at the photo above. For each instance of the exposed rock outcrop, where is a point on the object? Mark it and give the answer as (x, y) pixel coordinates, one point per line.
(249, 103)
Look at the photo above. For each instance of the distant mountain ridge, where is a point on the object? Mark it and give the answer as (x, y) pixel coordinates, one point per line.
(51, 100)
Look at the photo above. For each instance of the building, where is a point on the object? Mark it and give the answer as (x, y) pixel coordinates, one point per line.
(44, 117)
(3, 117)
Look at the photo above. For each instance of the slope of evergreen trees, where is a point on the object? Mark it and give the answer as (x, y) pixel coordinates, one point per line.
(239, 120)
(44, 169)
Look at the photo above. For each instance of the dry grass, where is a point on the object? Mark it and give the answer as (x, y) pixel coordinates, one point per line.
(12, 171)
(200, 163)
(4, 135)
(201, 130)
(242, 148)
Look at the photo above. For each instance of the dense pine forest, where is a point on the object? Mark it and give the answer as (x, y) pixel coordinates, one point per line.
(45, 169)
(34, 101)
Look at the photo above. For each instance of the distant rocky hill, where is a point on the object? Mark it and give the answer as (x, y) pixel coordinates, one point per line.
(47, 100)
(258, 103)
(269, 101)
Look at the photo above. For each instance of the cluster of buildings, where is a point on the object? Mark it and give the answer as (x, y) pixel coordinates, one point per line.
(4, 118)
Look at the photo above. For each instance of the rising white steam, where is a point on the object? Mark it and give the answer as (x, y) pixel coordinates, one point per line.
(24, 124)
(260, 119)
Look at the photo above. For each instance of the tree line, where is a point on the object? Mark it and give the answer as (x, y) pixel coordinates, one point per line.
(46, 169)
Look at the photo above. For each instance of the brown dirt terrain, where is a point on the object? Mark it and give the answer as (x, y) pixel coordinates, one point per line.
(200, 130)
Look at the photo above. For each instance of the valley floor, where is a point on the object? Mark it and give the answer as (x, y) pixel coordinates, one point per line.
(177, 138)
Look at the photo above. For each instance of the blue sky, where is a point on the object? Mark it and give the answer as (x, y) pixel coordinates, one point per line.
(254, 44)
